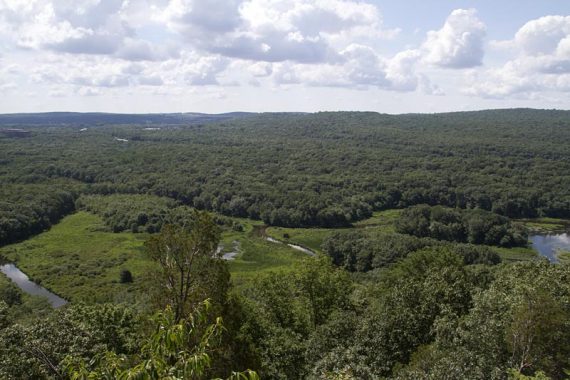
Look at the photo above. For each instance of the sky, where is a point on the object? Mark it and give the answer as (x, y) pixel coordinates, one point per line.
(143, 56)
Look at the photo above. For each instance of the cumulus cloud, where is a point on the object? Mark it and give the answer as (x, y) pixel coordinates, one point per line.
(543, 35)
(542, 64)
(361, 68)
(401, 71)
(170, 46)
(273, 30)
(202, 18)
(260, 69)
(459, 43)
(76, 27)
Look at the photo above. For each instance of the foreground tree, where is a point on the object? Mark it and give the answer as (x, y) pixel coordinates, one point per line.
(177, 349)
(191, 270)
(187, 263)
(516, 329)
(36, 350)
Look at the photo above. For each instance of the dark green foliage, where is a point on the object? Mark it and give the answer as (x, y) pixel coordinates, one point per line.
(417, 292)
(359, 251)
(144, 213)
(125, 277)
(188, 269)
(29, 209)
(36, 350)
(286, 312)
(518, 325)
(476, 254)
(325, 169)
(425, 315)
(464, 226)
(10, 294)
(176, 349)
(136, 213)
(4, 317)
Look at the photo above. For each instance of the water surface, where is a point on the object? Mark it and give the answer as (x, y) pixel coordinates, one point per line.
(549, 245)
(23, 281)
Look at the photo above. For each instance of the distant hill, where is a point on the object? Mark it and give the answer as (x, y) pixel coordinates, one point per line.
(95, 118)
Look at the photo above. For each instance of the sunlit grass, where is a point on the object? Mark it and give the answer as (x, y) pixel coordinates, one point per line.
(381, 221)
(80, 260)
(546, 225)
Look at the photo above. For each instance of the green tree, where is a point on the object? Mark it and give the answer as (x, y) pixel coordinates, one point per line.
(185, 257)
(4, 318)
(177, 349)
(37, 349)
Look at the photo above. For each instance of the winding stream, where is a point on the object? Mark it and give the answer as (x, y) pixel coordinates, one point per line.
(24, 283)
(308, 251)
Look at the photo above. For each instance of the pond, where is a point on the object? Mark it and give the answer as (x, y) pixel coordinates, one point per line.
(23, 281)
(549, 245)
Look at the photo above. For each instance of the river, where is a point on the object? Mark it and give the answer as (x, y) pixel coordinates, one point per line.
(308, 251)
(549, 245)
(23, 281)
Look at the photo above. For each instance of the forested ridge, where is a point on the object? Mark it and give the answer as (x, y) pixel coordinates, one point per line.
(323, 169)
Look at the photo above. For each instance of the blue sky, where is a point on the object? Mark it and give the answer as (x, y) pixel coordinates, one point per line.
(283, 55)
(504, 17)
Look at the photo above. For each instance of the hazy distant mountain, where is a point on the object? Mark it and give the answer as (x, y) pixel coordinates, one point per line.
(94, 118)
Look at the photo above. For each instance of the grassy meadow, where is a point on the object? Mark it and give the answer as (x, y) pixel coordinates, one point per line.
(312, 238)
(80, 259)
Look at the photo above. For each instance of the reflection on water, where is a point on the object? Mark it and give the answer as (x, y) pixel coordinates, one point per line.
(30, 287)
(548, 245)
(294, 246)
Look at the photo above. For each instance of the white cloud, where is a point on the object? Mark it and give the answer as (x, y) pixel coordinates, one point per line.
(401, 70)
(260, 69)
(98, 27)
(203, 70)
(459, 43)
(197, 17)
(543, 35)
(361, 68)
(499, 83)
(542, 64)
(174, 47)
(274, 30)
(88, 91)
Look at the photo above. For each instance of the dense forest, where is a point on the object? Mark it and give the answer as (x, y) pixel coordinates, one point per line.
(463, 226)
(324, 169)
(427, 296)
(360, 251)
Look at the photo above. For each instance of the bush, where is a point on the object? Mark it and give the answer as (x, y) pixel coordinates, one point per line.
(125, 277)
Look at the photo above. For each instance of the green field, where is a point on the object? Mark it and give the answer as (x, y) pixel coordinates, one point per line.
(311, 238)
(546, 225)
(563, 257)
(80, 260)
(516, 254)
(381, 221)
